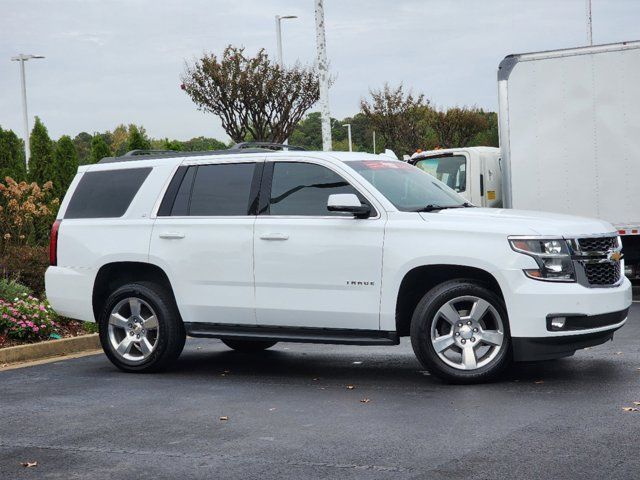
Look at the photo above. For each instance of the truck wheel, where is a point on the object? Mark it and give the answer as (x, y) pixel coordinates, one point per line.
(248, 346)
(460, 332)
(140, 328)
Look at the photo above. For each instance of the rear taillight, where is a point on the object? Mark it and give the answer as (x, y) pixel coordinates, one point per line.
(53, 243)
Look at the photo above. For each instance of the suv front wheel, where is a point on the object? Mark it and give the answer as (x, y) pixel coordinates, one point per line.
(460, 332)
(140, 328)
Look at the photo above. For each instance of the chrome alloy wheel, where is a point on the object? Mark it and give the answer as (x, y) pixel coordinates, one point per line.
(133, 329)
(467, 333)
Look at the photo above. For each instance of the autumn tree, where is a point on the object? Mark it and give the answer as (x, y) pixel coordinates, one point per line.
(456, 127)
(119, 140)
(254, 97)
(41, 161)
(65, 165)
(399, 118)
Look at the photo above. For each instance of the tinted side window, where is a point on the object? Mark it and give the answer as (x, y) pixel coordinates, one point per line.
(181, 202)
(304, 188)
(221, 190)
(105, 194)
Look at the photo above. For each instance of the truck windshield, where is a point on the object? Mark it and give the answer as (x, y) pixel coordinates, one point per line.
(408, 188)
(451, 170)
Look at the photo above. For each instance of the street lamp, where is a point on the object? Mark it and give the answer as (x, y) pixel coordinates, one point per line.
(23, 58)
(279, 34)
(348, 127)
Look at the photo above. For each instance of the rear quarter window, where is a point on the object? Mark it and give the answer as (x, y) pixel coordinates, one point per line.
(106, 194)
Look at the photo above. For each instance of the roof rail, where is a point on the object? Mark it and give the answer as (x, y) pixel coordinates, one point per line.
(267, 145)
(244, 147)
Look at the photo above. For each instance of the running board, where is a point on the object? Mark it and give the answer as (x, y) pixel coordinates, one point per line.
(292, 334)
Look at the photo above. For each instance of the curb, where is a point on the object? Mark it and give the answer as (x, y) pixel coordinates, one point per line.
(50, 348)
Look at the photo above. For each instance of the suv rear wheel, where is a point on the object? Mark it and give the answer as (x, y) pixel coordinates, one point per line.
(460, 332)
(248, 345)
(140, 328)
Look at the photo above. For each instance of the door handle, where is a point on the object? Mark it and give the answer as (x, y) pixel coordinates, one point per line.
(274, 236)
(172, 235)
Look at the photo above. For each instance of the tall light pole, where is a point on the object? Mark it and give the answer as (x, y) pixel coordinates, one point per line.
(374, 142)
(348, 127)
(589, 24)
(279, 34)
(23, 58)
(323, 77)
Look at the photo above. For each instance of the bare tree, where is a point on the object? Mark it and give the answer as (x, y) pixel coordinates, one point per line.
(400, 119)
(255, 98)
(456, 127)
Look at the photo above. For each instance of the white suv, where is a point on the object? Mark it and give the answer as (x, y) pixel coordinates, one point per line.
(256, 246)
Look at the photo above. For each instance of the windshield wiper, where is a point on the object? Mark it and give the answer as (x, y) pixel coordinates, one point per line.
(433, 207)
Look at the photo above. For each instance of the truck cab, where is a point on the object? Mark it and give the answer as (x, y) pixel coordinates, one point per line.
(473, 172)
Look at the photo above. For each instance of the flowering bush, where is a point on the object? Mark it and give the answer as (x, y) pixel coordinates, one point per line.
(27, 319)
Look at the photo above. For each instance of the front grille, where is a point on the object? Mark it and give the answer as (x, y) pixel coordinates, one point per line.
(598, 244)
(593, 255)
(607, 273)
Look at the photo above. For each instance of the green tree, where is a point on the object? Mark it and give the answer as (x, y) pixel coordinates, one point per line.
(137, 139)
(11, 156)
(65, 165)
(82, 142)
(456, 127)
(399, 118)
(41, 161)
(99, 149)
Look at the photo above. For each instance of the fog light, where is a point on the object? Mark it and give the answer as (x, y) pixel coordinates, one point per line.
(557, 323)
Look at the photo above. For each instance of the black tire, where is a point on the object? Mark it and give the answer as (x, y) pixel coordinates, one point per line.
(170, 331)
(248, 346)
(421, 326)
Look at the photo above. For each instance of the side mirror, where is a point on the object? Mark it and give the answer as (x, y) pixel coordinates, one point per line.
(348, 203)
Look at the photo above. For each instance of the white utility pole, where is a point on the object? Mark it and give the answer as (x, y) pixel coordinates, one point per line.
(589, 24)
(374, 142)
(279, 35)
(348, 126)
(23, 58)
(323, 77)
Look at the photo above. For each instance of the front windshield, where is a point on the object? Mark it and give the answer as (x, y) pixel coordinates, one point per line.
(449, 169)
(407, 187)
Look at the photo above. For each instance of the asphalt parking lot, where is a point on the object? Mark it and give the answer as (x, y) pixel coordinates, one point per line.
(291, 414)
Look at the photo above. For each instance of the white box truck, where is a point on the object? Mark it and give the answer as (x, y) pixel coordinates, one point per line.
(569, 139)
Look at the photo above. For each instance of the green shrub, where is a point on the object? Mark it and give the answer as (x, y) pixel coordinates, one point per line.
(10, 289)
(25, 264)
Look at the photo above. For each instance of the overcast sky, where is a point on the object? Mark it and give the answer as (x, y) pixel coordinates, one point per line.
(119, 61)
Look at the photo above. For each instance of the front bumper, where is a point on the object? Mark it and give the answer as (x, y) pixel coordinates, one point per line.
(593, 314)
(547, 348)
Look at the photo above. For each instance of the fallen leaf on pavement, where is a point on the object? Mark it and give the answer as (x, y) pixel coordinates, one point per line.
(629, 409)
(224, 419)
(29, 464)
(365, 400)
(350, 387)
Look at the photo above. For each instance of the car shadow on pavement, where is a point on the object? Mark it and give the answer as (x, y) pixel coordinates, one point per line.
(384, 369)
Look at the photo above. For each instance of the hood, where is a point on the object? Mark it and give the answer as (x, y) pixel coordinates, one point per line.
(522, 222)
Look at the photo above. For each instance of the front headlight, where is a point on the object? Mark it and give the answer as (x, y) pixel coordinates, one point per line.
(552, 256)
